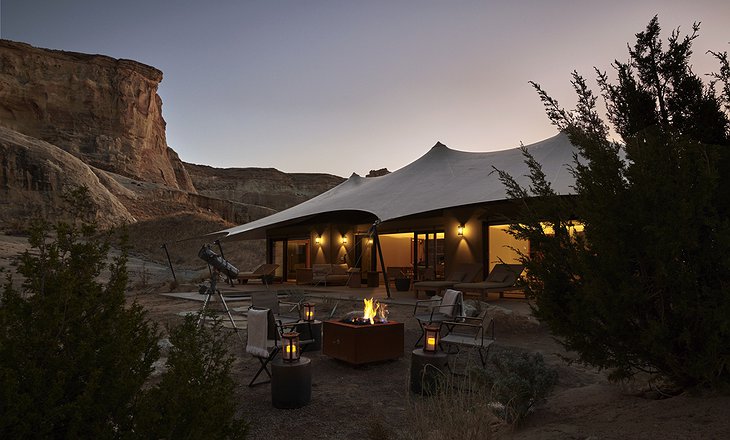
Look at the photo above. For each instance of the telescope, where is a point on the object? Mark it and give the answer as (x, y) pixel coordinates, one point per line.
(218, 262)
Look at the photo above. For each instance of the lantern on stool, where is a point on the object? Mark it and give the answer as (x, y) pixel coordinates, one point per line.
(431, 338)
(290, 347)
(308, 312)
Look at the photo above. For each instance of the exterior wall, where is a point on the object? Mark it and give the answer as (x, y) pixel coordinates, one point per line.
(467, 248)
(471, 247)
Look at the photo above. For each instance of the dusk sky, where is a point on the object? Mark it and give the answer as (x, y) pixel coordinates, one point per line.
(350, 86)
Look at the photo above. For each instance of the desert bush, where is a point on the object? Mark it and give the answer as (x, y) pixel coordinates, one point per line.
(195, 398)
(73, 357)
(458, 409)
(517, 383)
(644, 287)
(76, 360)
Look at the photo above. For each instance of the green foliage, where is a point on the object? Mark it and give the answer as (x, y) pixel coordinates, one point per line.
(195, 398)
(75, 359)
(518, 382)
(645, 289)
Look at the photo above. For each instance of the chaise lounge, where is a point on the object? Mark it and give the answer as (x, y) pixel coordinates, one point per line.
(462, 273)
(502, 278)
(263, 273)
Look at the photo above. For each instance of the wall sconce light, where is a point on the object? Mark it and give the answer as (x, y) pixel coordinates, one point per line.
(308, 312)
(431, 338)
(344, 239)
(370, 241)
(318, 240)
(460, 230)
(290, 347)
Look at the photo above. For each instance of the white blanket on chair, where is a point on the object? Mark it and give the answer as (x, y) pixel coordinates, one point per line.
(258, 324)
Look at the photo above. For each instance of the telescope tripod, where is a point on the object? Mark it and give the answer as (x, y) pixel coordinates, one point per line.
(211, 290)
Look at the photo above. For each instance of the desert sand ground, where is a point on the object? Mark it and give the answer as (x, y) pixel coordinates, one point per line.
(373, 401)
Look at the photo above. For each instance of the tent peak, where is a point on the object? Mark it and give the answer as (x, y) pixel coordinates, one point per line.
(439, 145)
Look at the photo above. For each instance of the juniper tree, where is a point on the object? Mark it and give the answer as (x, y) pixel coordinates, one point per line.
(75, 359)
(646, 287)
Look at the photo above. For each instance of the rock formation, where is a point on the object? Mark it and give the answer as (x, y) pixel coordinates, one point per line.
(260, 186)
(102, 110)
(69, 120)
(35, 175)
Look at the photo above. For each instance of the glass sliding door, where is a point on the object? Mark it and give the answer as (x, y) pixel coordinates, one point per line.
(429, 253)
(297, 257)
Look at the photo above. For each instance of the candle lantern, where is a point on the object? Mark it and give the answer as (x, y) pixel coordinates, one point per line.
(431, 336)
(308, 312)
(290, 347)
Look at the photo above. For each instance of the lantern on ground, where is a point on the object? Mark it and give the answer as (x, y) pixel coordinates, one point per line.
(308, 312)
(290, 347)
(431, 338)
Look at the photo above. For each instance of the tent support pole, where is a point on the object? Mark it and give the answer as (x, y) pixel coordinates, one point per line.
(164, 246)
(376, 241)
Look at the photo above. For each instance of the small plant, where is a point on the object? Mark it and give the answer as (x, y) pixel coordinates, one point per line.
(459, 408)
(195, 398)
(518, 382)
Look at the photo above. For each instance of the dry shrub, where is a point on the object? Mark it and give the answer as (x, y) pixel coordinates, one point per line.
(457, 410)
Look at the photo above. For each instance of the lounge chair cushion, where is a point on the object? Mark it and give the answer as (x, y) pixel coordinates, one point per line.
(450, 298)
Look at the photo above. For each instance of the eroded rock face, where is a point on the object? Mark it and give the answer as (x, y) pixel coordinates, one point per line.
(103, 110)
(260, 186)
(34, 175)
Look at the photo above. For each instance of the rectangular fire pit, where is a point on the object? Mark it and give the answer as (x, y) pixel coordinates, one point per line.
(361, 344)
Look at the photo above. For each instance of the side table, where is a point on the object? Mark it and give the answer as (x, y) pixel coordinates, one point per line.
(291, 383)
(426, 370)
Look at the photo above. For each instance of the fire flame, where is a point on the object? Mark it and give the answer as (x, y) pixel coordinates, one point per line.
(374, 309)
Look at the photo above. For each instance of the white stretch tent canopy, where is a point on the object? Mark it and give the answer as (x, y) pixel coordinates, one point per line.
(442, 178)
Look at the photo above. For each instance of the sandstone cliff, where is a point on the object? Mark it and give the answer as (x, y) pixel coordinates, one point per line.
(102, 110)
(260, 186)
(34, 175)
(95, 121)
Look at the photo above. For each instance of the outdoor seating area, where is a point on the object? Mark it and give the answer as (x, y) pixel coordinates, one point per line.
(264, 272)
(460, 274)
(502, 278)
(274, 313)
(323, 274)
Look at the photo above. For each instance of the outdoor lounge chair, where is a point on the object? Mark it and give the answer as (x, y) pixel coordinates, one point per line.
(287, 315)
(503, 277)
(461, 273)
(442, 309)
(263, 340)
(263, 273)
(475, 333)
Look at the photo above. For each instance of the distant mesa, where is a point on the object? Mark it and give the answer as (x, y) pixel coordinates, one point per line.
(70, 119)
(378, 173)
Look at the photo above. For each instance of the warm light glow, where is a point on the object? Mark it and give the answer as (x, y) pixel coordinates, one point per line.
(460, 230)
(371, 309)
(344, 239)
(318, 240)
(308, 312)
(370, 241)
(431, 336)
(290, 347)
